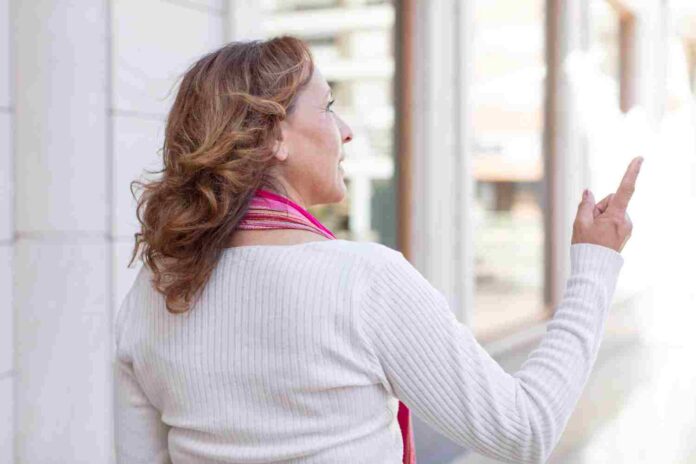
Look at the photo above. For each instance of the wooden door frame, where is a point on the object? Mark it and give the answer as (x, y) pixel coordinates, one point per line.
(403, 126)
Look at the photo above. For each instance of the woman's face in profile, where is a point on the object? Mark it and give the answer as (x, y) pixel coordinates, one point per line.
(313, 136)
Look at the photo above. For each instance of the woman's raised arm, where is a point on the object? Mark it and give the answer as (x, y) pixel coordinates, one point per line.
(433, 363)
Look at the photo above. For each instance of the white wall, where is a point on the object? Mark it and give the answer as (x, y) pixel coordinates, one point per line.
(62, 398)
(6, 241)
(93, 86)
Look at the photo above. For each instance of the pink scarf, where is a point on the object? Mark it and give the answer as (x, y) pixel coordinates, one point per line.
(268, 210)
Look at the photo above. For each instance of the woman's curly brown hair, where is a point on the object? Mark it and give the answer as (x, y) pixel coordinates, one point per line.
(217, 150)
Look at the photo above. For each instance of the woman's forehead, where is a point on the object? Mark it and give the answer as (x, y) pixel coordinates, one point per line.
(318, 83)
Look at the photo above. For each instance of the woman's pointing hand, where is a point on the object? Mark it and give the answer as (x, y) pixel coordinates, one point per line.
(607, 223)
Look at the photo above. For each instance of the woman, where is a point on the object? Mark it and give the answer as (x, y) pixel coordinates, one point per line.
(252, 334)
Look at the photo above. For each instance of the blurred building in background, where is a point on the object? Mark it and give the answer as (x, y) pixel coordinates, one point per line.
(477, 125)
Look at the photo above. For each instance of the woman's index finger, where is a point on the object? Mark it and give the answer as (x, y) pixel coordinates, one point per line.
(628, 185)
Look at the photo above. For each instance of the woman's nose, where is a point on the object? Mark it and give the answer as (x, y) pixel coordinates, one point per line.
(346, 131)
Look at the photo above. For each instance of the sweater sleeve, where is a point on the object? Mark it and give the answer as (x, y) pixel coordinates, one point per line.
(434, 365)
(140, 435)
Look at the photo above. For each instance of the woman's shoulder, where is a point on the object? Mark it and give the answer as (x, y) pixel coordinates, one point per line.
(375, 254)
(129, 304)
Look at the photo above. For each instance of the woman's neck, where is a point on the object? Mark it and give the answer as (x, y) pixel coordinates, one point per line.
(274, 237)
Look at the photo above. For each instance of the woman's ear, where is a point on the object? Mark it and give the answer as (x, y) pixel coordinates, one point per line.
(280, 150)
(280, 146)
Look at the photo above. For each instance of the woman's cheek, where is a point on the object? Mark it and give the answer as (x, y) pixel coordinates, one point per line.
(330, 140)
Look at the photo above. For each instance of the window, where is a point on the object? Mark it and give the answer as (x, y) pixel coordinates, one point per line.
(507, 118)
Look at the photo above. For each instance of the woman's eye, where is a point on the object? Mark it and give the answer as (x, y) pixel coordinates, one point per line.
(329, 105)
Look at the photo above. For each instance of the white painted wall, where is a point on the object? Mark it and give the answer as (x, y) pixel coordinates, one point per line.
(62, 387)
(82, 112)
(7, 373)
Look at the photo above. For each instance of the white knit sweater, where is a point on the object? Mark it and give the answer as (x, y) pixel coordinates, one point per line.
(297, 353)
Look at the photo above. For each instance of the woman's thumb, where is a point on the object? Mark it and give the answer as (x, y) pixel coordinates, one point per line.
(586, 206)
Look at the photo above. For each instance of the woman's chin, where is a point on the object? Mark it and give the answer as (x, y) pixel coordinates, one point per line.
(341, 192)
(340, 189)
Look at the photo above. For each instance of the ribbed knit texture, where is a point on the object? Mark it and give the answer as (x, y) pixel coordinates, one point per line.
(298, 353)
